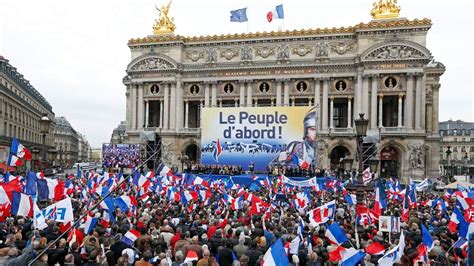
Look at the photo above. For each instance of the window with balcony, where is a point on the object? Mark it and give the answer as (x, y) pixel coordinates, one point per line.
(455, 149)
(471, 149)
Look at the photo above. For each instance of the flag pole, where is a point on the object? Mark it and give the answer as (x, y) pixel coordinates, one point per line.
(89, 211)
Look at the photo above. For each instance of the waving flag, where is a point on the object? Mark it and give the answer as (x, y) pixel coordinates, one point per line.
(276, 13)
(455, 218)
(126, 203)
(14, 160)
(380, 199)
(164, 170)
(19, 150)
(322, 214)
(217, 151)
(7, 189)
(427, 240)
(351, 256)
(130, 237)
(60, 211)
(50, 189)
(89, 224)
(239, 15)
(276, 255)
(39, 222)
(367, 176)
(375, 248)
(351, 199)
(22, 204)
(395, 254)
(335, 234)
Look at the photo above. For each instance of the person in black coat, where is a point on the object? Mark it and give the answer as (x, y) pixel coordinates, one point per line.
(253, 253)
(226, 257)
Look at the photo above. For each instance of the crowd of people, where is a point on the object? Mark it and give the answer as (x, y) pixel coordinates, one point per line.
(121, 155)
(213, 231)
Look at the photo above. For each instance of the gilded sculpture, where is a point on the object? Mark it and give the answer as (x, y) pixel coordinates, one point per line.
(385, 9)
(164, 25)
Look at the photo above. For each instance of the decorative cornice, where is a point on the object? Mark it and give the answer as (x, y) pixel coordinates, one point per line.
(294, 33)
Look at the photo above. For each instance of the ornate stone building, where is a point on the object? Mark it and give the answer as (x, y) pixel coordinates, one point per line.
(21, 109)
(83, 148)
(459, 137)
(66, 141)
(381, 68)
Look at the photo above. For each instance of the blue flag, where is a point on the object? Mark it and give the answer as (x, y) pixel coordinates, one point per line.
(239, 15)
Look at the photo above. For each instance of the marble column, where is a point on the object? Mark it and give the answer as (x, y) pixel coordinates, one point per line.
(286, 96)
(365, 95)
(179, 105)
(236, 102)
(331, 112)
(325, 104)
(147, 113)
(409, 102)
(435, 117)
(358, 99)
(418, 102)
(249, 93)
(140, 110)
(128, 115)
(133, 113)
(373, 103)
(186, 113)
(381, 110)
(161, 113)
(214, 94)
(317, 100)
(167, 87)
(242, 93)
(292, 101)
(278, 92)
(206, 94)
(349, 112)
(423, 102)
(400, 109)
(172, 113)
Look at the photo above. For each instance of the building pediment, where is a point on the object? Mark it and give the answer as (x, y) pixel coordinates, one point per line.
(152, 62)
(396, 51)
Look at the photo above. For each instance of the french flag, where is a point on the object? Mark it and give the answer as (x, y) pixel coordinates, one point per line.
(366, 176)
(276, 13)
(335, 234)
(322, 214)
(140, 180)
(22, 205)
(50, 189)
(125, 203)
(427, 240)
(455, 218)
(130, 237)
(351, 256)
(13, 160)
(351, 199)
(89, 224)
(20, 151)
(275, 255)
(199, 181)
(7, 189)
(164, 170)
(375, 248)
(380, 199)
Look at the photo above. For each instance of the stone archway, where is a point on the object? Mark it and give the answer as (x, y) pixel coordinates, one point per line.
(336, 155)
(390, 161)
(192, 151)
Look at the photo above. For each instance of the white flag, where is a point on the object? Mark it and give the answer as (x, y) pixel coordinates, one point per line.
(38, 219)
(60, 211)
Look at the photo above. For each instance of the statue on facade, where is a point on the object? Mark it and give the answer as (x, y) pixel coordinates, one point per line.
(322, 49)
(416, 158)
(283, 52)
(385, 9)
(164, 25)
(211, 55)
(246, 53)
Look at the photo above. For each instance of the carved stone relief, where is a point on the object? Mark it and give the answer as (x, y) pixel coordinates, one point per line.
(322, 49)
(341, 48)
(152, 63)
(167, 153)
(283, 52)
(264, 52)
(395, 52)
(195, 55)
(321, 153)
(229, 53)
(246, 53)
(211, 55)
(302, 50)
(417, 158)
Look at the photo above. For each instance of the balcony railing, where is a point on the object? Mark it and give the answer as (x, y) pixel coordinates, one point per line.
(191, 130)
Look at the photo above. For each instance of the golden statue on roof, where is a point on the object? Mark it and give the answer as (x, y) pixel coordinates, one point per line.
(385, 9)
(164, 25)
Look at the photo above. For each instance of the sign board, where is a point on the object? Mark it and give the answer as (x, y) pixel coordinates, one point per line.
(389, 224)
(260, 136)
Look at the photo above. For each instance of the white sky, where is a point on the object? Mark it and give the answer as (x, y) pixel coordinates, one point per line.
(75, 52)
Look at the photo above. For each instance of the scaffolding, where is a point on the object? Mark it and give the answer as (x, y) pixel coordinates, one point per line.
(150, 149)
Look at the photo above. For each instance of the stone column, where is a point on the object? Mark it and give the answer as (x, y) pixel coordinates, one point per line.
(409, 102)
(358, 92)
(133, 113)
(128, 115)
(400, 109)
(186, 113)
(140, 107)
(286, 96)
(161, 113)
(220, 103)
(147, 113)
(236, 102)
(214, 94)
(278, 92)
(349, 112)
(418, 102)
(365, 95)
(242, 93)
(167, 87)
(381, 110)
(172, 112)
(423, 102)
(179, 105)
(435, 117)
(325, 104)
(206, 94)
(249, 93)
(373, 103)
(331, 112)
(317, 100)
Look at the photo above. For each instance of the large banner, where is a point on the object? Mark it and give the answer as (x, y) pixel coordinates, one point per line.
(258, 136)
(120, 155)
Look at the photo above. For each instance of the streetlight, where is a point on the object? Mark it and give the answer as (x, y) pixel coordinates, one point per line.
(465, 164)
(361, 125)
(182, 159)
(347, 164)
(448, 164)
(45, 122)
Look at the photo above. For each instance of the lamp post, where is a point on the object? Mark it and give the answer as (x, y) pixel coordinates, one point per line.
(361, 131)
(465, 164)
(45, 122)
(448, 165)
(182, 159)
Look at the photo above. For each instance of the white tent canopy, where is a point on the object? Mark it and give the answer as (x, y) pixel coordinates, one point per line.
(454, 185)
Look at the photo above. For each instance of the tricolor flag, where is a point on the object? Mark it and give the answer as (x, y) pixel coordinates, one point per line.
(322, 214)
(380, 199)
(20, 151)
(125, 203)
(22, 204)
(217, 151)
(375, 248)
(276, 13)
(351, 199)
(395, 254)
(14, 160)
(335, 234)
(164, 170)
(351, 256)
(50, 189)
(275, 255)
(130, 237)
(89, 224)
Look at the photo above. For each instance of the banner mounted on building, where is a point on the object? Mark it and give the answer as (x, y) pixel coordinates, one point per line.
(260, 136)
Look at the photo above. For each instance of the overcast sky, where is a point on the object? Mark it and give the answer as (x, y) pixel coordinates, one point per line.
(75, 52)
